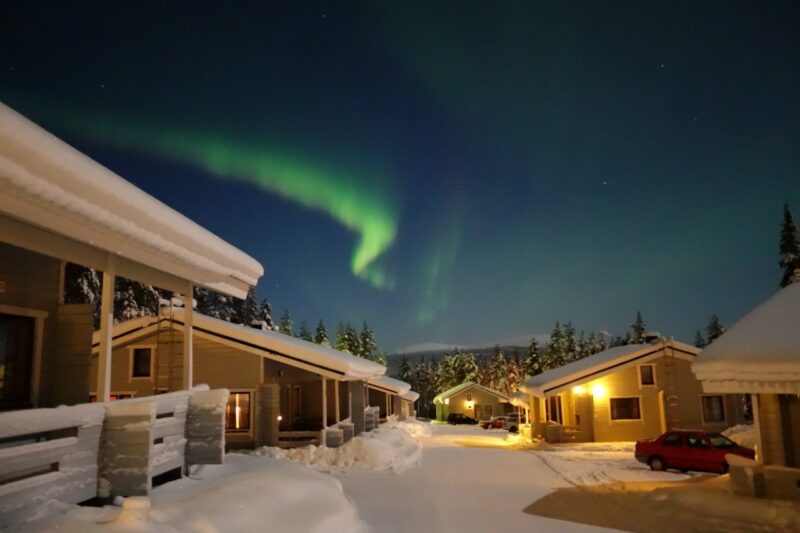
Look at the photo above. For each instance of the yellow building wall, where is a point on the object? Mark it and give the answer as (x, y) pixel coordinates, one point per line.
(480, 398)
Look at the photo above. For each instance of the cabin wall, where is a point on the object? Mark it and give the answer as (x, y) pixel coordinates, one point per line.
(32, 281)
(480, 400)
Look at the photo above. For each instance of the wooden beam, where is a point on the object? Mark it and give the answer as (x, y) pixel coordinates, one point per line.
(106, 331)
(188, 353)
(336, 394)
(324, 402)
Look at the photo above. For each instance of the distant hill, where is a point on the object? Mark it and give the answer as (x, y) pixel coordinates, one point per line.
(436, 350)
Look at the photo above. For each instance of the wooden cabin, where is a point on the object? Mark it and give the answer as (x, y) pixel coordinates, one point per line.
(627, 393)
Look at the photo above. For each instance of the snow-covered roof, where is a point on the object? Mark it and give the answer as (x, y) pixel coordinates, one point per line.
(47, 184)
(411, 396)
(760, 353)
(441, 397)
(394, 385)
(270, 344)
(601, 364)
(519, 399)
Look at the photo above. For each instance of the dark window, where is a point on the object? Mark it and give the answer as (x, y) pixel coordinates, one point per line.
(16, 360)
(554, 409)
(237, 412)
(673, 439)
(646, 375)
(141, 365)
(713, 409)
(297, 403)
(625, 409)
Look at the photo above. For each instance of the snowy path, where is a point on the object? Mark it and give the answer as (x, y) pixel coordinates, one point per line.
(458, 488)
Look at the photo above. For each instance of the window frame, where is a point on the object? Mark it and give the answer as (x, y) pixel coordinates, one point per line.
(251, 419)
(703, 408)
(131, 357)
(639, 375)
(613, 420)
(129, 393)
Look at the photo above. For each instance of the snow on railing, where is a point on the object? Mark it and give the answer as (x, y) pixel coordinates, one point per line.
(55, 454)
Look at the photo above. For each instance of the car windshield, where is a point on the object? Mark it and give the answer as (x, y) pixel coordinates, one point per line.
(721, 441)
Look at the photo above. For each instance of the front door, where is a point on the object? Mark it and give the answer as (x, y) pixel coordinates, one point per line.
(16, 360)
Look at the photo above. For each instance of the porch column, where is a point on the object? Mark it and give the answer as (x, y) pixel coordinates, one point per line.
(324, 403)
(357, 406)
(188, 355)
(755, 401)
(106, 331)
(336, 394)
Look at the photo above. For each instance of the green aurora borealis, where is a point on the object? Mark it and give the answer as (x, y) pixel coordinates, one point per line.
(460, 172)
(354, 201)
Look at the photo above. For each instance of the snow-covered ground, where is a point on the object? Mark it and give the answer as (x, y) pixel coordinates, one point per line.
(471, 479)
(247, 493)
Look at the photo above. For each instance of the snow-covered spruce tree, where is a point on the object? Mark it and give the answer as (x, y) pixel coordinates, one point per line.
(570, 343)
(321, 336)
(638, 328)
(380, 358)
(532, 363)
(484, 375)
(446, 372)
(714, 328)
(342, 340)
(699, 341)
(304, 332)
(286, 326)
(246, 311)
(789, 249)
(353, 340)
(264, 318)
(82, 286)
(498, 369)
(556, 354)
(214, 304)
(513, 375)
(134, 299)
(366, 343)
(404, 370)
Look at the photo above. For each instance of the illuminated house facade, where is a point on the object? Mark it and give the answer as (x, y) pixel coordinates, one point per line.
(473, 400)
(284, 391)
(627, 393)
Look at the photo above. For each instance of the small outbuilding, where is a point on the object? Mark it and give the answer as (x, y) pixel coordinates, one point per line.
(473, 400)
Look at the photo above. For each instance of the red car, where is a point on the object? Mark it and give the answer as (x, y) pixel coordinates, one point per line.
(689, 450)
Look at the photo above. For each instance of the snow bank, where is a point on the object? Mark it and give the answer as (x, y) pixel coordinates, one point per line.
(743, 435)
(391, 448)
(246, 494)
(414, 427)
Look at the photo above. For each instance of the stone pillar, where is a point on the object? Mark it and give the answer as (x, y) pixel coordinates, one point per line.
(357, 406)
(205, 427)
(268, 413)
(397, 408)
(127, 444)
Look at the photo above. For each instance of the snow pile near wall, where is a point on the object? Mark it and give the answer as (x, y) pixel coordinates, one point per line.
(743, 435)
(246, 494)
(388, 449)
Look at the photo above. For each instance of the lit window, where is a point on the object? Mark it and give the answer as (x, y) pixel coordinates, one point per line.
(713, 409)
(625, 409)
(237, 412)
(646, 375)
(141, 363)
(469, 397)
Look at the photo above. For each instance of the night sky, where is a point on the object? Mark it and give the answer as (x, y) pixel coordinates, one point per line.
(457, 173)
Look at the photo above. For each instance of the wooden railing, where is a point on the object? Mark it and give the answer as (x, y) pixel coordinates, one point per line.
(74, 454)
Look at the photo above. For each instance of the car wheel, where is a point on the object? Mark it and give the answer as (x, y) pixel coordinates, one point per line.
(513, 429)
(725, 468)
(657, 464)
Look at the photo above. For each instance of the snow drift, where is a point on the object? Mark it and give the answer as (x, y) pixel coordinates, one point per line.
(394, 447)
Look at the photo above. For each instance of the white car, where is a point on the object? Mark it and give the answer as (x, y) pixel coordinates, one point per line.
(508, 422)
